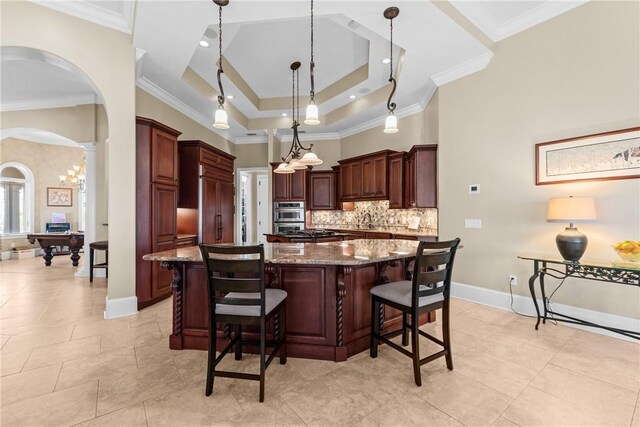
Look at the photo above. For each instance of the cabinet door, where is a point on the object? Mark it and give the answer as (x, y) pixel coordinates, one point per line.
(224, 205)
(425, 164)
(346, 183)
(368, 178)
(297, 184)
(321, 191)
(280, 187)
(163, 222)
(396, 181)
(410, 182)
(208, 211)
(164, 157)
(379, 188)
(161, 279)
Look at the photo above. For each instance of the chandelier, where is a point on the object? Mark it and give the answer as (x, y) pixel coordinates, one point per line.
(312, 108)
(391, 123)
(75, 176)
(220, 121)
(292, 161)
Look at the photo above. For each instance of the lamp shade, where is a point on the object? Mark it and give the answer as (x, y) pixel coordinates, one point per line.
(297, 165)
(312, 115)
(391, 124)
(221, 119)
(310, 159)
(284, 168)
(571, 209)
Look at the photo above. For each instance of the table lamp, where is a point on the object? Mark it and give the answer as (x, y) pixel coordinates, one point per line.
(571, 243)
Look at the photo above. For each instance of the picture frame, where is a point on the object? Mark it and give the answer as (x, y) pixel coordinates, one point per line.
(597, 157)
(59, 196)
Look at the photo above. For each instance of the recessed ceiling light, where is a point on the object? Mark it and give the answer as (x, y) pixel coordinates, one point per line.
(284, 114)
(386, 60)
(229, 96)
(352, 97)
(204, 43)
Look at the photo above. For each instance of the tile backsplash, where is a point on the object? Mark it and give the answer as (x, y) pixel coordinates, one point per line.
(381, 216)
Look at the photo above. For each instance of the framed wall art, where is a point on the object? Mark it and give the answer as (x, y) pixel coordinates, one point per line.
(59, 196)
(602, 156)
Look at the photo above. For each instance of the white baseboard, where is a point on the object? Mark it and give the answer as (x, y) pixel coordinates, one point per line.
(120, 307)
(524, 305)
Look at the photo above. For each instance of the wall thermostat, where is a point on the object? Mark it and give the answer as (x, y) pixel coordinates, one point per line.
(474, 188)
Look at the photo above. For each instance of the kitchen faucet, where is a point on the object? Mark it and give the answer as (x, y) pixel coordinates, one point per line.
(367, 214)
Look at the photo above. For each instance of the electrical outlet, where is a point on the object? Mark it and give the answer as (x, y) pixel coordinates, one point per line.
(513, 280)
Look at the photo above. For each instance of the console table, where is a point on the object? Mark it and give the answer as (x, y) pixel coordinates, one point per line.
(48, 241)
(592, 270)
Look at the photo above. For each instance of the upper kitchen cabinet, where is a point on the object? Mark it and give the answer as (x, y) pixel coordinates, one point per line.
(421, 177)
(396, 180)
(289, 187)
(206, 192)
(365, 177)
(322, 190)
(156, 203)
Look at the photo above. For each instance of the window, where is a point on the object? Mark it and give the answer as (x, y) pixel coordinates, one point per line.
(16, 199)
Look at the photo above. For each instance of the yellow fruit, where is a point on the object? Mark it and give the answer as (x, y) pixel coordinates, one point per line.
(627, 246)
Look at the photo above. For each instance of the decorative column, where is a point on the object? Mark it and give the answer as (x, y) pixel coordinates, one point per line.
(341, 293)
(90, 208)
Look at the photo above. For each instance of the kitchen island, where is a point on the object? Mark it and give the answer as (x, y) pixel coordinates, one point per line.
(328, 300)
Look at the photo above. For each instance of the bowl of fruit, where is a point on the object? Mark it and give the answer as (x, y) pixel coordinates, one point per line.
(628, 250)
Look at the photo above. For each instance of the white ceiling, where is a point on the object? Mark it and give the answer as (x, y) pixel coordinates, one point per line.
(262, 38)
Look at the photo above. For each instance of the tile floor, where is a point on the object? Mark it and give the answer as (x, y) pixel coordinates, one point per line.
(62, 364)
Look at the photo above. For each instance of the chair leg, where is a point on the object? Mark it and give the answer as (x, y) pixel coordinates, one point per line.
(446, 335)
(283, 334)
(415, 348)
(91, 265)
(375, 328)
(211, 356)
(238, 355)
(263, 367)
(405, 334)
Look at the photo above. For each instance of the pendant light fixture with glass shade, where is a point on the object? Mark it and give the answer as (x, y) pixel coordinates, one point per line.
(391, 123)
(292, 161)
(221, 121)
(312, 108)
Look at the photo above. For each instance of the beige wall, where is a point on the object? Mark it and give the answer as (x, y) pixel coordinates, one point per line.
(151, 107)
(251, 155)
(576, 74)
(327, 150)
(111, 68)
(46, 162)
(76, 123)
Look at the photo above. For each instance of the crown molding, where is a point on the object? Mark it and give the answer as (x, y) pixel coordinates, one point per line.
(46, 103)
(304, 137)
(461, 70)
(379, 121)
(39, 136)
(475, 12)
(253, 139)
(96, 14)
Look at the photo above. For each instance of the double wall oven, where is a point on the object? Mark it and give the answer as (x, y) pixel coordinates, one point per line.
(288, 217)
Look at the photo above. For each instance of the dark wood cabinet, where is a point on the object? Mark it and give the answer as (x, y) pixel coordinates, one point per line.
(186, 240)
(156, 202)
(289, 187)
(365, 177)
(396, 180)
(421, 177)
(322, 190)
(206, 192)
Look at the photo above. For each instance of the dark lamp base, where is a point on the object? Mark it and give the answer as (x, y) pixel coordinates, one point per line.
(571, 244)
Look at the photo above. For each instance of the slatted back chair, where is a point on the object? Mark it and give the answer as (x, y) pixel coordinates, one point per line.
(428, 290)
(237, 296)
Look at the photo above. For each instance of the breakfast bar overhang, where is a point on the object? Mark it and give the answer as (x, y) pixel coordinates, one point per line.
(327, 284)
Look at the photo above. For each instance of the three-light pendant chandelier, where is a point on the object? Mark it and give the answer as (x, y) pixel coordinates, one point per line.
(293, 161)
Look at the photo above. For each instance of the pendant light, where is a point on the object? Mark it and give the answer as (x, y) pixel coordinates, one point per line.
(312, 108)
(292, 161)
(221, 121)
(391, 123)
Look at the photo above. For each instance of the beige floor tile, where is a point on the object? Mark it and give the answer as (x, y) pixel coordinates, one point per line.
(192, 366)
(548, 336)
(408, 410)
(190, 406)
(62, 352)
(537, 408)
(464, 323)
(636, 416)
(18, 387)
(145, 333)
(506, 377)
(463, 398)
(166, 327)
(38, 337)
(12, 363)
(503, 422)
(98, 326)
(604, 347)
(154, 352)
(491, 315)
(311, 369)
(460, 306)
(615, 402)
(3, 340)
(505, 348)
(66, 407)
(131, 386)
(132, 416)
(91, 368)
(272, 412)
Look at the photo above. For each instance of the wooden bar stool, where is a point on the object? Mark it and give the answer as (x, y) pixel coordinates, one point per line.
(102, 245)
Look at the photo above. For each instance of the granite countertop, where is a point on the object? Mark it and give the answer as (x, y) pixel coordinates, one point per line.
(309, 236)
(391, 230)
(353, 252)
